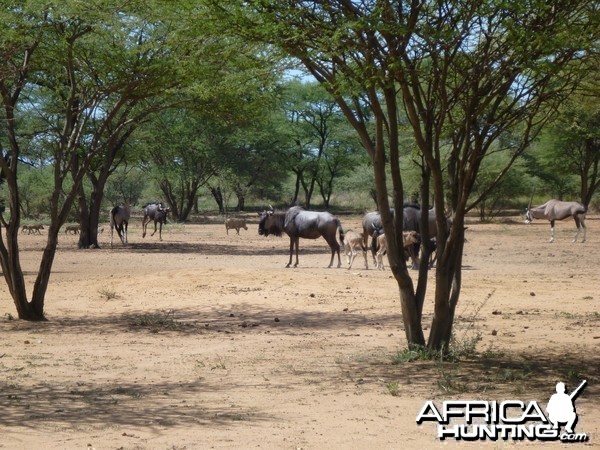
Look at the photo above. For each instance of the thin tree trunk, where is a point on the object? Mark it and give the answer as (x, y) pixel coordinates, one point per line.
(448, 278)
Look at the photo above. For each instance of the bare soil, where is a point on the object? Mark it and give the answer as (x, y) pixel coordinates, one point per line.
(206, 340)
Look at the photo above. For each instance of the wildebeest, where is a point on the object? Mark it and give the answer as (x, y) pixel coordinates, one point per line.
(372, 226)
(411, 222)
(353, 242)
(158, 213)
(554, 210)
(119, 219)
(233, 223)
(409, 238)
(298, 223)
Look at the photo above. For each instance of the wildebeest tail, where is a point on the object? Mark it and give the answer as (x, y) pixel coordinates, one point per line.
(112, 215)
(341, 231)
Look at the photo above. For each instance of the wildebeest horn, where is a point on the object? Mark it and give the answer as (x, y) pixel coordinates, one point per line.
(271, 208)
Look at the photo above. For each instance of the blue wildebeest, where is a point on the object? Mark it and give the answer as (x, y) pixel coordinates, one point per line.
(554, 210)
(158, 213)
(119, 219)
(298, 223)
(372, 226)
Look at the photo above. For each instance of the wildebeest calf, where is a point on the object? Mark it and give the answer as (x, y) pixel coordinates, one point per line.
(354, 241)
(236, 224)
(408, 238)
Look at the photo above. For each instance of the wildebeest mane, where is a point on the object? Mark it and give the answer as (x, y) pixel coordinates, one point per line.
(272, 223)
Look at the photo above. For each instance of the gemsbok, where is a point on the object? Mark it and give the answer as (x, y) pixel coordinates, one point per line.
(554, 210)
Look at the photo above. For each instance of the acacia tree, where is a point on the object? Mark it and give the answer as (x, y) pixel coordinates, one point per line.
(181, 156)
(462, 72)
(576, 139)
(80, 69)
(321, 152)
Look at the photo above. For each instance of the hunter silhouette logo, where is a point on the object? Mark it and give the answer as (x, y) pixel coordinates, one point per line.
(561, 407)
(509, 419)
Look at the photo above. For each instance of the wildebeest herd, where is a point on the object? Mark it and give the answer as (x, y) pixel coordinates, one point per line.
(298, 223)
(120, 215)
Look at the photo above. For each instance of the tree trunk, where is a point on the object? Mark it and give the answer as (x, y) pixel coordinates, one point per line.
(89, 215)
(218, 196)
(448, 277)
(411, 314)
(241, 206)
(41, 283)
(13, 274)
(297, 188)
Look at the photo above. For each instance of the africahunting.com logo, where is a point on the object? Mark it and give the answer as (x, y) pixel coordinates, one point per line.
(509, 419)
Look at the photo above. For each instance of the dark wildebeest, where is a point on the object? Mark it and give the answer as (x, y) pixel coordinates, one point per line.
(411, 222)
(298, 223)
(372, 226)
(554, 210)
(156, 212)
(119, 219)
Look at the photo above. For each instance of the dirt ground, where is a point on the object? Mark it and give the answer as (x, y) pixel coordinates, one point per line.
(206, 340)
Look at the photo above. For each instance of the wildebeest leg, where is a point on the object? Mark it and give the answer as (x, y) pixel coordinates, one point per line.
(291, 252)
(125, 225)
(297, 242)
(374, 248)
(552, 231)
(145, 221)
(413, 256)
(332, 255)
(582, 220)
(350, 256)
(577, 225)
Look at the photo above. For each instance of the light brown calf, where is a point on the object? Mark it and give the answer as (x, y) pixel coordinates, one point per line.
(408, 238)
(354, 241)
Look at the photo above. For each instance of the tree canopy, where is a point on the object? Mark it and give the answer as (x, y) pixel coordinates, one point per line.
(462, 73)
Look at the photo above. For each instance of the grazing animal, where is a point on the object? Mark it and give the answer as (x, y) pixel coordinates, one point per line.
(156, 212)
(432, 249)
(354, 241)
(298, 223)
(32, 228)
(119, 219)
(554, 210)
(409, 238)
(411, 215)
(235, 224)
(72, 229)
(36, 228)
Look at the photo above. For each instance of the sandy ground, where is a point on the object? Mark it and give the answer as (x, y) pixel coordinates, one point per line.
(206, 340)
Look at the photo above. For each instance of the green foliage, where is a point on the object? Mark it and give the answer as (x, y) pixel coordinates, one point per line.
(514, 186)
(35, 186)
(125, 186)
